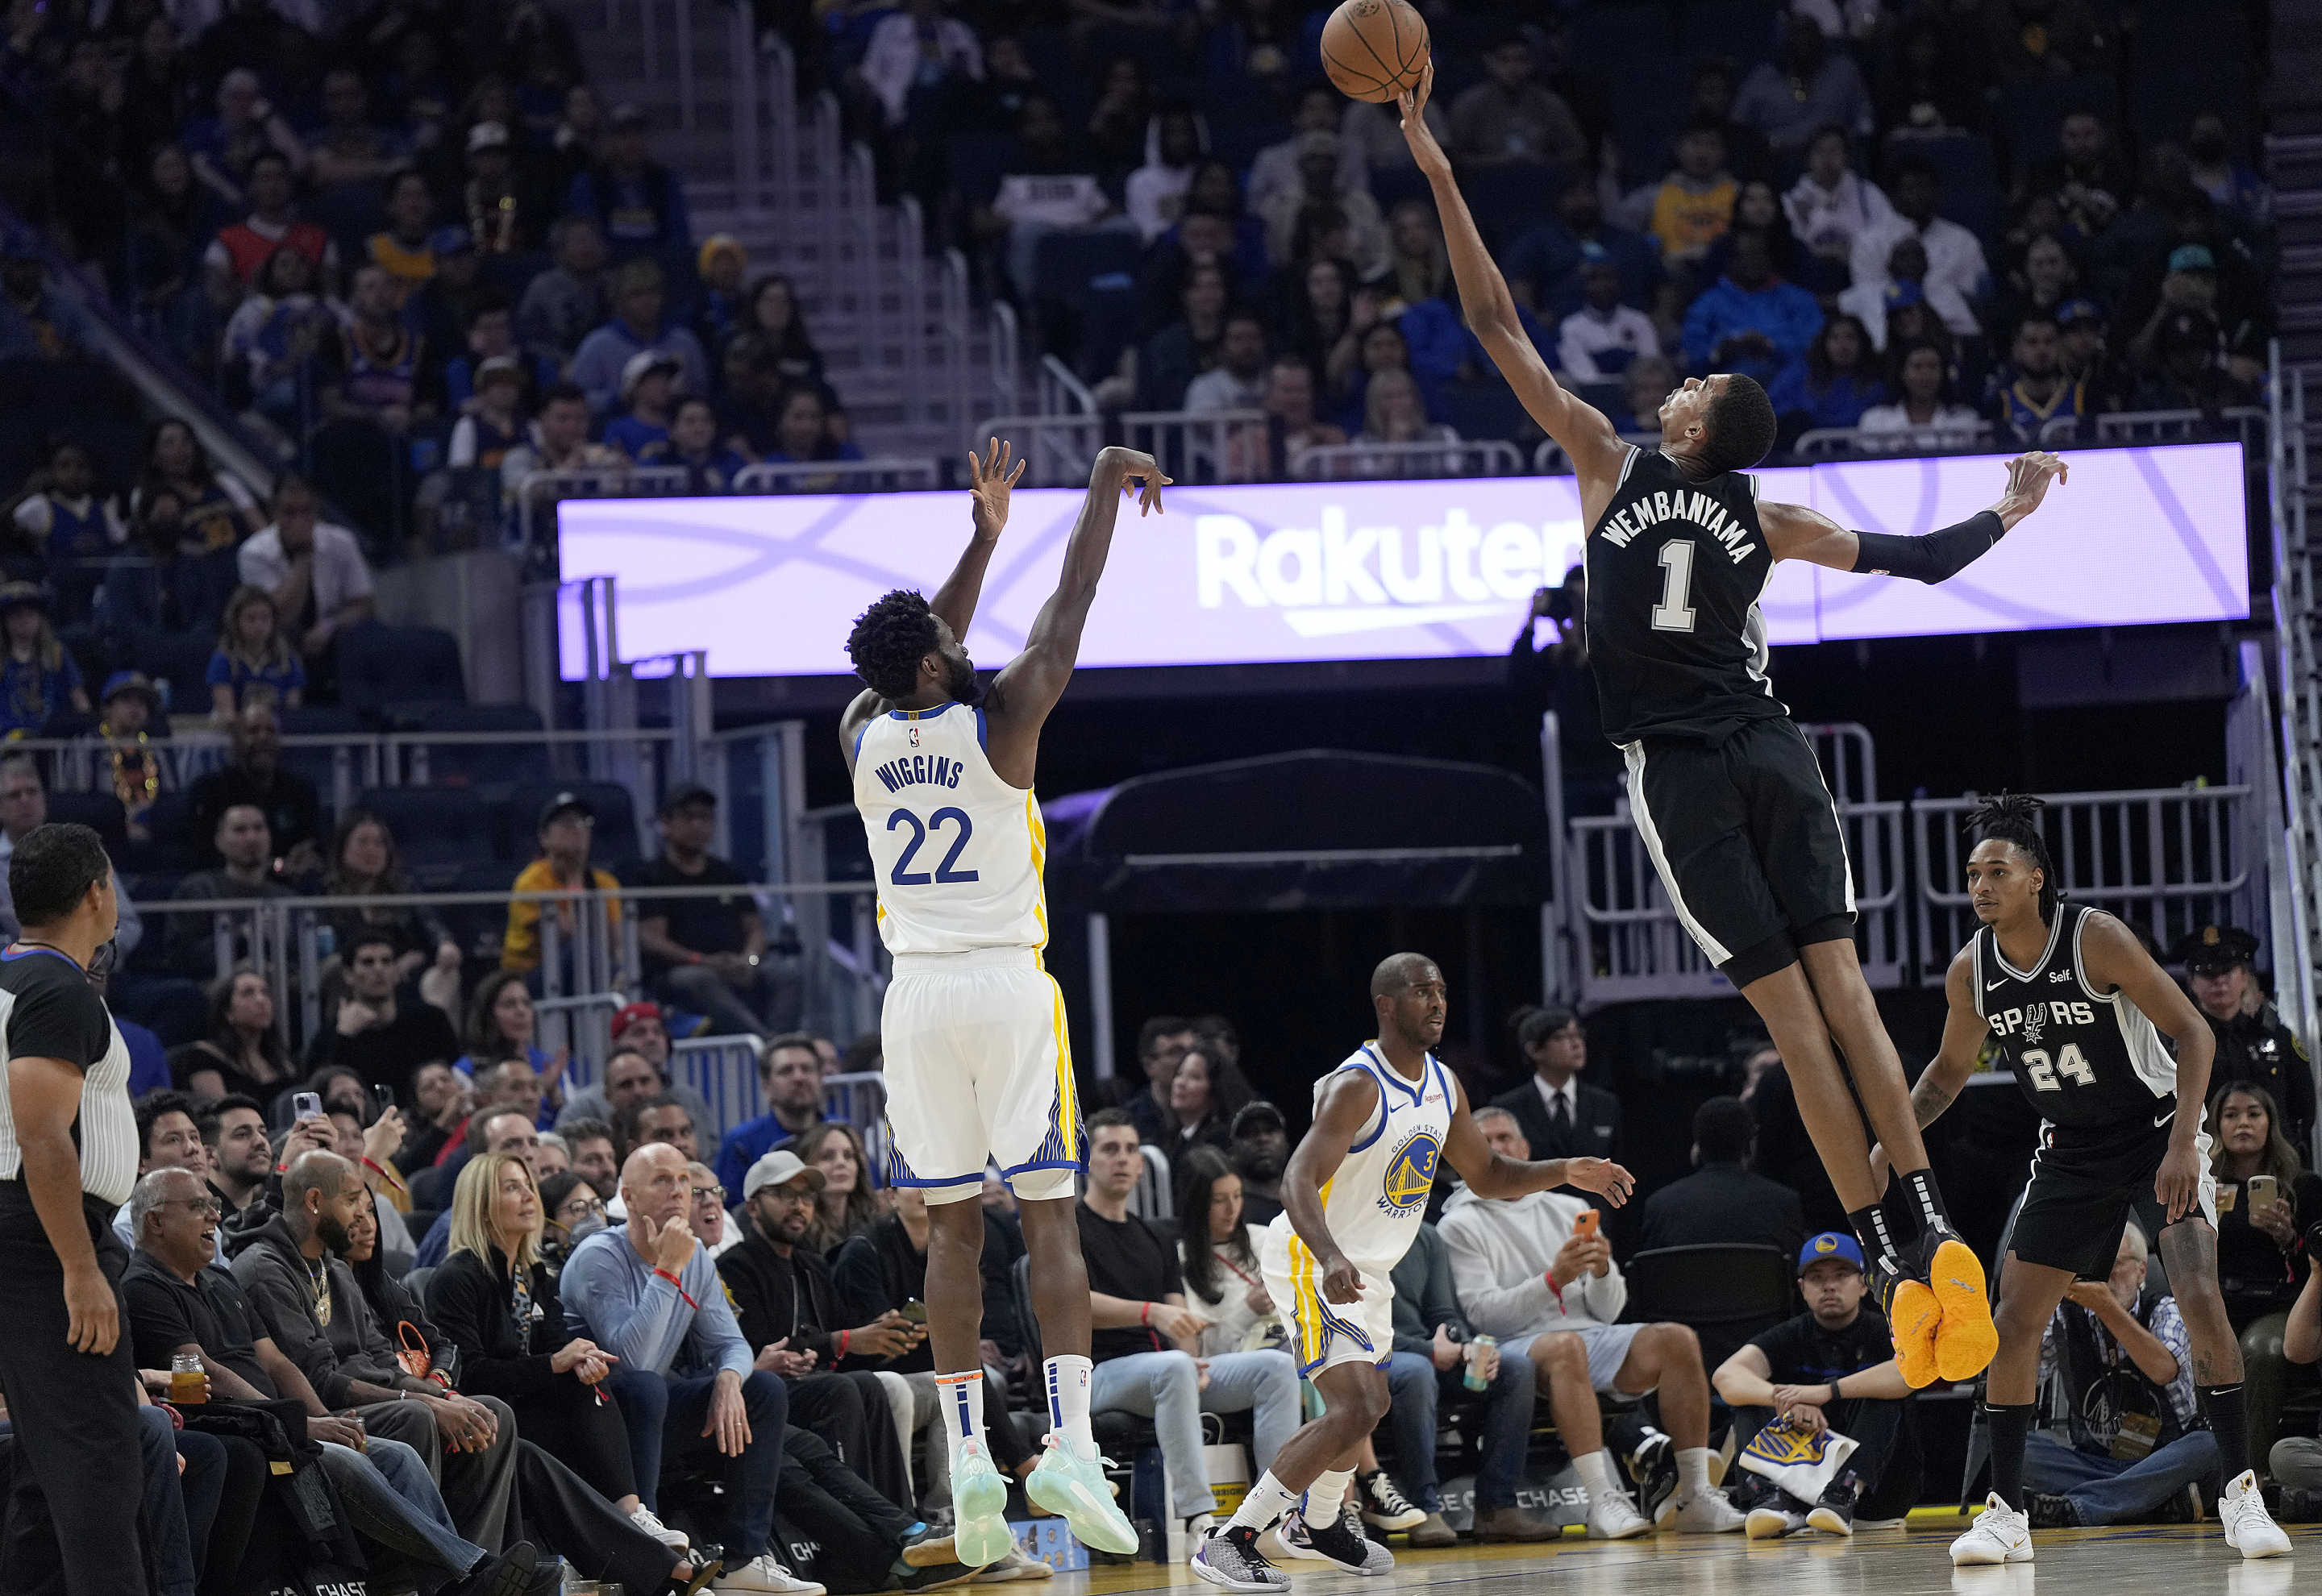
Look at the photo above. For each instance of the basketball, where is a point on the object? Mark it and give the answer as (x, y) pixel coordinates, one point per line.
(1374, 50)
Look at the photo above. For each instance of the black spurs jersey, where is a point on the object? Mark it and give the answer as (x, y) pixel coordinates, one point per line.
(1675, 569)
(2087, 1061)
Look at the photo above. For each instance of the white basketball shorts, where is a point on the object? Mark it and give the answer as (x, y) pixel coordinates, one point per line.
(1324, 1333)
(979, 1070)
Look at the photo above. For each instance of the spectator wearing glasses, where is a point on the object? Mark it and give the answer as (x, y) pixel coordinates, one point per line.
(687, 1381)
(24, 809)
(1559, 1115)
(708, 954)
(374, 1033)
(567, 825)
(706, 1212)
(790, 1079)
(571, 1212)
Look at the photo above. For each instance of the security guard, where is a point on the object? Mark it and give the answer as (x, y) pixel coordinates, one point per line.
(2252, 1043)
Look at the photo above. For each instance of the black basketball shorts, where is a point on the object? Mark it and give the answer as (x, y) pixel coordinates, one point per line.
(2085, 1187)
(1746, 841)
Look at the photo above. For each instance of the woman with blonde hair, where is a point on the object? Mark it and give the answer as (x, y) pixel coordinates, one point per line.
(252, 654)
(849, 1201)
(494, 1299)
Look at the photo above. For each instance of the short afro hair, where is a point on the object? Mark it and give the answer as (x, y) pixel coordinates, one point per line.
(1739, 425)
(889, 640)
(52, 872)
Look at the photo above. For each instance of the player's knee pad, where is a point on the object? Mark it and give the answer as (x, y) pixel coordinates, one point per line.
(1041, 1185)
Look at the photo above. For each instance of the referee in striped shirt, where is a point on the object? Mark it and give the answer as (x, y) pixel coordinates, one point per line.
(67, 1159)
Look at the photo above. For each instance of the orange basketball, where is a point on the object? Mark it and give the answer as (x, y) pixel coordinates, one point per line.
(1374, 50)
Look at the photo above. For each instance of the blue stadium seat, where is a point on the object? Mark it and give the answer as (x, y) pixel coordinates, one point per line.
(1743, 31)
(1613, 39)
(2032, 114)
(477, 927)
(1970, 178)
(433, 825)
(380, 665)
(617, 819)
(101, 812)
(1483, 410)
(979, 160)
(318, 765)
(179, 662)
(1067, 265)
(477, 764)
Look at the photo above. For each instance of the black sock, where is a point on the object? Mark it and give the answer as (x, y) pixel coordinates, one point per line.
(2011, 1423)
(1870, 1229)
(2229, 1423)
(1926, 1202)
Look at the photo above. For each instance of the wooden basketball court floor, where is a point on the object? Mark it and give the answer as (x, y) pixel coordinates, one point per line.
(2190, 1560)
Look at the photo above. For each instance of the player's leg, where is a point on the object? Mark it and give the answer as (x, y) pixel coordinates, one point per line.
(1559, 1361)
(2189, 1249)
(2028, 1295)
(1666, 1358)
(954, 1288)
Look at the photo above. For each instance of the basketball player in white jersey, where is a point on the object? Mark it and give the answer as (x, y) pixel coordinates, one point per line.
(1353, 1198)
(978, 1067)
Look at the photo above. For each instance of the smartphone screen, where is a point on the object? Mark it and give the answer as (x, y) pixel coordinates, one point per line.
(306, 1105)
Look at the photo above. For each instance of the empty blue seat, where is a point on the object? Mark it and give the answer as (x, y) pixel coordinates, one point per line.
(516, 758)
(979, 160)
(320, 765)
(1743, 31)
(2032, 114)
(380, 664)
(1067, 264)
(433, 825)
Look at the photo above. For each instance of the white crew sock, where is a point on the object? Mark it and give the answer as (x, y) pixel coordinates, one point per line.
(1693, 1472)
(961, 1397)
(1326, 1498)
(1267, 1500)
(1068, 1403)
(1595, 1472)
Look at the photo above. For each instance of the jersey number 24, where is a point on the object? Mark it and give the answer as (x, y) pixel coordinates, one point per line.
(949, 873)
(2070, 1063)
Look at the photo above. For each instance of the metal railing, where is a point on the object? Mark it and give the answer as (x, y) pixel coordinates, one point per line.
(2297, 617)
(1838, 442)
(884, 474)
(1061, 390)
(1059, 451)
(1548, 459)
(1340, 462)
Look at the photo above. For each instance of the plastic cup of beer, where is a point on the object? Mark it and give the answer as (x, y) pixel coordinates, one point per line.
(189, 1383)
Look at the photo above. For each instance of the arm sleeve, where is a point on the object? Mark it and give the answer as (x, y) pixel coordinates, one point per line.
(1937, 557)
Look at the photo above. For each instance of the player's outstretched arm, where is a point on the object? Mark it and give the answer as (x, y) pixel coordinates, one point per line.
(1945, 1076)
(1490, 1175)
(1580, 430)
(1793, 532)
(1348, 1101)
(1023, 694)
(2112, 958)
(990, 482)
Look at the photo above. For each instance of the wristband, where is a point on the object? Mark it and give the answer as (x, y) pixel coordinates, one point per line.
(679, 1284)
(1145, 1314)
(382, 1171)
(845, 1337)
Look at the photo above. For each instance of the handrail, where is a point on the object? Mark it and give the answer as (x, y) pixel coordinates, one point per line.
(1061, 387)
(1826, 443)
(1467, 457)
(910, 472)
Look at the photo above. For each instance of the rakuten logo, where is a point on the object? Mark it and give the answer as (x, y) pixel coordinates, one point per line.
(1335, 578)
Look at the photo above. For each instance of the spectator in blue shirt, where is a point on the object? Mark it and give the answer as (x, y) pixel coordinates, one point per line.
(648, 382)
(637, 326)
(252, 652)
(637, 201)
(693, 444)
(790, 1079)
(38, 676)
(1443, 348)
(1749, 320)
(1832, 383)
(648, 1293)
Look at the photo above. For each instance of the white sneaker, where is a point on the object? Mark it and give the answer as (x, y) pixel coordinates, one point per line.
(1612, 1517)
(2250, 1529)
(1707, 1512)
(762, 1574)
(1772, 1521)
(2000, 1534)
(676, 1540)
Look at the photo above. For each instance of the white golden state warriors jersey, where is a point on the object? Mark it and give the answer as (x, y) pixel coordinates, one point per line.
(956, 850)
(1374, 1202)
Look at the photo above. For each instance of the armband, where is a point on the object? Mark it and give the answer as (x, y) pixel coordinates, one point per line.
(1937, 557)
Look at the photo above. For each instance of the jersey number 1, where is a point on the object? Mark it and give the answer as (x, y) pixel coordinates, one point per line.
(1674, 613)
(2070, 1063)
(902, 875)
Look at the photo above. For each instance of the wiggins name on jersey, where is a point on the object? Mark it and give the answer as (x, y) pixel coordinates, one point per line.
(956, 850)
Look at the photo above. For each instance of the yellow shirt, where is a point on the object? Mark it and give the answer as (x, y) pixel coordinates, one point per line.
(1686, 221)
(413, 267)
(520, 945)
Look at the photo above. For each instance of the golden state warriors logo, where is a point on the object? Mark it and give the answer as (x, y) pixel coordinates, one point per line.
(1410, 1173)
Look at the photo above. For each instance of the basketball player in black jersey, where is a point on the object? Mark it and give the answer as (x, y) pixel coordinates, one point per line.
(2072, 1001)
(1725, 789)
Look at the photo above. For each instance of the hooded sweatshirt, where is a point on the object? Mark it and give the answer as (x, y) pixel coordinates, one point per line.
(1501, 1250)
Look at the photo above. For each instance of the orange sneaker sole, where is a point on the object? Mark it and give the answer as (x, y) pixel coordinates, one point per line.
(1917, 1317)
(1966, 1340)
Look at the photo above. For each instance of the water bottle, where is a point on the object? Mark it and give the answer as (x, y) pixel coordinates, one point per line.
(326, 940)
(1474, 1379)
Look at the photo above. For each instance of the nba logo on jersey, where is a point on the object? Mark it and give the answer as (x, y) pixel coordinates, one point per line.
(1409, 1173)
(915, 734)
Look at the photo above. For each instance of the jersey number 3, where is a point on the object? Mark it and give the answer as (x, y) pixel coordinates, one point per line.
(2070, 1063)
(946, 873)
(1674, 613)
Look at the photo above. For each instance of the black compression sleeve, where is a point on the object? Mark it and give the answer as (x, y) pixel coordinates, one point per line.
(1940, 555)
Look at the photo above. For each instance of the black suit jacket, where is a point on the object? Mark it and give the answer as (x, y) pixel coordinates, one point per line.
(1725, 1203)
(1595, 1130)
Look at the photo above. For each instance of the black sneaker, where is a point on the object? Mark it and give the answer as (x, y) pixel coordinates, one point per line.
(1750, 1490)
(1384, 1507)
(1341, 1541)
(1229, 1559)
(2051, 1512)
(1652, 1469)
(2298, 1504)
(501, 1573)
(1835, 1513)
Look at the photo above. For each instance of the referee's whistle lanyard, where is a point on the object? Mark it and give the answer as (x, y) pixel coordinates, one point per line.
(100, 964)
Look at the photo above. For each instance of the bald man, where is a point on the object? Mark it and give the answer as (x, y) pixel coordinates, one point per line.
(1353, 1198)
(687, 1381)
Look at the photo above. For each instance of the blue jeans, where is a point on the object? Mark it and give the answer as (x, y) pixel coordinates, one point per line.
(166, 1526)
(2106, 1490)
(392, 1504)
(749, 1478)
(1416, 1387)
(1166, 1388)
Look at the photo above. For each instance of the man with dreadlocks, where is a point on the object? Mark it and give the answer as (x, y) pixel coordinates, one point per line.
(1725, 789)
(2069, 996)
(978, 1067)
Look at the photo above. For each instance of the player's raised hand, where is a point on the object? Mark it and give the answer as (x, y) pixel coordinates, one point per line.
(1606, 1179)
(1416, 134)
(989, 481)
(2028, 478)
(1144, 472)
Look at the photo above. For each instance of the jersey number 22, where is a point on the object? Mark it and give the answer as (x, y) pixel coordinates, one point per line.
(947, 873)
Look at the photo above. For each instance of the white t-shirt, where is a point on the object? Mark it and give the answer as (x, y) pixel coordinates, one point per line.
(1063, 199)
(1951, 424)
(1583, 335)
(341, 575)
